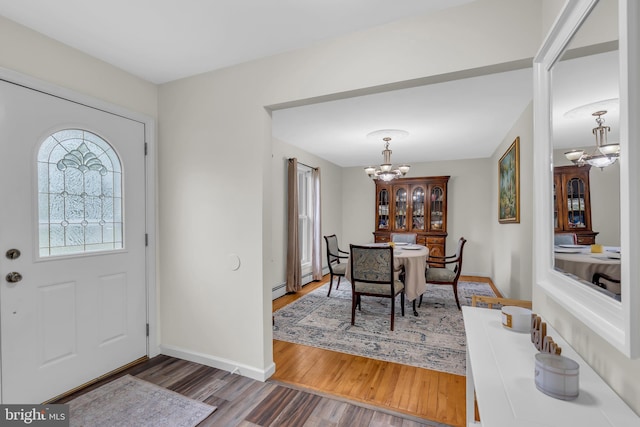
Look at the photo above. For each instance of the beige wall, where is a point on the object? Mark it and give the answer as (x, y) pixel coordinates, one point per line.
(511, 243)
(620, 372)
(215, 124)
(468, 206)
(223, 111)
(35, 55)
(331, 206)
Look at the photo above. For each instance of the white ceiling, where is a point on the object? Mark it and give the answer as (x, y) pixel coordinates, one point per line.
(461, 119)
(163, 40)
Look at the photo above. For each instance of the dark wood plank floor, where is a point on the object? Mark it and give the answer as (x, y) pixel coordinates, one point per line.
(245, 402)
(317, 400)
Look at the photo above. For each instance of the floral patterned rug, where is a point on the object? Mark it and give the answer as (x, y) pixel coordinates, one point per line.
(434, 340)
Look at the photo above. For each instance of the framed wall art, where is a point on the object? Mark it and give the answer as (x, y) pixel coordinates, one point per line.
(509, 184)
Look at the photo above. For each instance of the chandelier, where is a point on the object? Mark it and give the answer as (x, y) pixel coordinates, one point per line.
(605, 154)
(386, 171)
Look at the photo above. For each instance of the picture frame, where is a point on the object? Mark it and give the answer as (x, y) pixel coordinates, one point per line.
(509, 184)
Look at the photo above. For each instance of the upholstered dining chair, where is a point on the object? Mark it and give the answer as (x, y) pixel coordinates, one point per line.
(372, 274)
(601, 279)
(445, 275)
(565, 239)
(404, 237)
(334, 255)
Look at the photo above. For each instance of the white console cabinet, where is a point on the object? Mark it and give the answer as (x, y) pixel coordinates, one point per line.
(500, 368)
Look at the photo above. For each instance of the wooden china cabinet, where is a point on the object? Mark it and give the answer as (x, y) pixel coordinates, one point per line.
(413, 205)
(572, 203)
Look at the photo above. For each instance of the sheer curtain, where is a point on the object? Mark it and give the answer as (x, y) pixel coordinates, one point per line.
(316, 252)
(294, 268)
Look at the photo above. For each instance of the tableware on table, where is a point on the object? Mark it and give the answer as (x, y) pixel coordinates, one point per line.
(567, 250)
(413, 247)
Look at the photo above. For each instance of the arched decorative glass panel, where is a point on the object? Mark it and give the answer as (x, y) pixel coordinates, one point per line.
(79, 194)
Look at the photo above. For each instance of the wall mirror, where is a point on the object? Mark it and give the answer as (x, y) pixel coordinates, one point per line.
(585, 137)
(592, 41)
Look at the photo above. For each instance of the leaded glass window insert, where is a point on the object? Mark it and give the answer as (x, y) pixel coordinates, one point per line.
(79, 194)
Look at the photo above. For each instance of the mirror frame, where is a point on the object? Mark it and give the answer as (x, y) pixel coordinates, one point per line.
(616, 322)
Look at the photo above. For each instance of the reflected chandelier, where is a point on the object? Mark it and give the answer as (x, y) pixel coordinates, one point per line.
(386, 171)
(605, 154)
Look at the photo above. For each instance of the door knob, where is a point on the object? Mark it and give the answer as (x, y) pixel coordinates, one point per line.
(14, 277)
(13, 254)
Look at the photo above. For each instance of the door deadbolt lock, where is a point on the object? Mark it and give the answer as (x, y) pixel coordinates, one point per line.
(14, 277)
(13, 254)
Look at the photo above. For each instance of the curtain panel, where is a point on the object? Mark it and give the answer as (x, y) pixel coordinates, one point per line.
(316, 252)
(294, 268)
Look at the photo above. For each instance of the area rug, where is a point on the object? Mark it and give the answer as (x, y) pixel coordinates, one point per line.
(434, 340)
(129, 401)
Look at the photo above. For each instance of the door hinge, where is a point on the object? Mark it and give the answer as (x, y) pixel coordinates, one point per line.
(146, 239)
(147, 329)
(146, 148)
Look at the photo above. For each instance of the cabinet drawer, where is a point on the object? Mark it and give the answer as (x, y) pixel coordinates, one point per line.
(586, 240)
(435, 240)
(382, 239)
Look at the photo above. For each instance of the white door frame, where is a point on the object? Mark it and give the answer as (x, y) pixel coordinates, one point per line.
(150, 178)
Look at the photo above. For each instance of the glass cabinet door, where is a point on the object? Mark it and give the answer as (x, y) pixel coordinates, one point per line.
(436, 208)
(418, 208)
(383, 209)
(400, 209)
(576, 216)
(557, 185)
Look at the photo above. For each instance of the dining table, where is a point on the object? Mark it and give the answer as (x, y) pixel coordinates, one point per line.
(413, 258)
(582, 263)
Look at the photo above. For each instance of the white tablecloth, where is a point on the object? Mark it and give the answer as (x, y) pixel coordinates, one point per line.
(585, 264)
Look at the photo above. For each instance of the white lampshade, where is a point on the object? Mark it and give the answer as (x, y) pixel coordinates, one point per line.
(610, 149)
(386, 171)
(574, 155)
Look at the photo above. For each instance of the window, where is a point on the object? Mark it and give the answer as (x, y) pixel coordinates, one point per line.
(305, 216)
(79, 194)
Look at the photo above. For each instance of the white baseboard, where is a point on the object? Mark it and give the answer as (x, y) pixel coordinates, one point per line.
(281, 289)
(219, 363)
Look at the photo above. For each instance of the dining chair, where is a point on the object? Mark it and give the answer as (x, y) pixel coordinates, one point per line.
(336, 268)
(565, 239)
(372, 274)
(490, 301)
(444, 275)
(601, 279)
(404, 237)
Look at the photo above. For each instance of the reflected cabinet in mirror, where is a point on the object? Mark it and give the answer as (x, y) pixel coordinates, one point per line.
(582, 156)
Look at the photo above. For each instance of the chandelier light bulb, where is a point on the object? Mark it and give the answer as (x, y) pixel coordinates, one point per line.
(605, 154)
(386, 170)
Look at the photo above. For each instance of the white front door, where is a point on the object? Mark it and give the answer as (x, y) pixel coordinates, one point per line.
(72, 244)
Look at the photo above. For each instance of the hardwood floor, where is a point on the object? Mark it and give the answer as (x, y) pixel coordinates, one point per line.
(312, 387)
(416, 392)
(244, 402)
